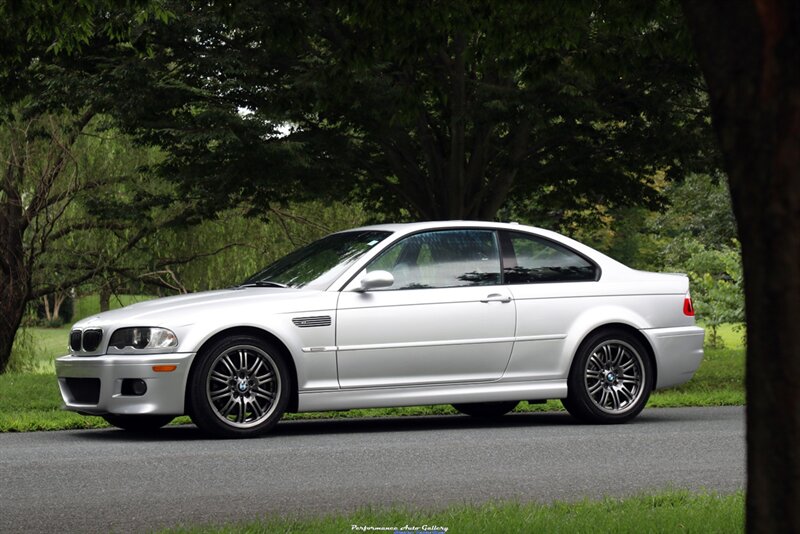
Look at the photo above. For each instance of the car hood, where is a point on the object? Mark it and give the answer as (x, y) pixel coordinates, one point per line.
(186, 309)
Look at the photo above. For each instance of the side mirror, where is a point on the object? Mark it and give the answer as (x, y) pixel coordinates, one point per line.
(376, 279)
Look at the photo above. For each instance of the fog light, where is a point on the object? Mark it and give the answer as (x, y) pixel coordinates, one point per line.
(134, 387)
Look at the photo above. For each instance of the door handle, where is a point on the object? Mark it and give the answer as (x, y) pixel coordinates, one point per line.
(496, 297)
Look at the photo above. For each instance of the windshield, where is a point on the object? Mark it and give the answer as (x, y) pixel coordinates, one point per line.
(320, 263)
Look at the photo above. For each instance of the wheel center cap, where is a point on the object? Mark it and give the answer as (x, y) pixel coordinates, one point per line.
(611, 377)
(241, 385)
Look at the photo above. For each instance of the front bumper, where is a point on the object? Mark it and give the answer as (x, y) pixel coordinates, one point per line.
(93, 384)
(678, 353)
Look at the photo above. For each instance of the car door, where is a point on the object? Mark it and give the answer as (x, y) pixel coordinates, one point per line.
(445, 319)
(551, 285)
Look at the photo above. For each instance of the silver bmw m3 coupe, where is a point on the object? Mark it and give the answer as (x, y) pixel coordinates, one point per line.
(478, 315)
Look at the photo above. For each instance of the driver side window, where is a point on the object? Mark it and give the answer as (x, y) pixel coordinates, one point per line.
(448, 258)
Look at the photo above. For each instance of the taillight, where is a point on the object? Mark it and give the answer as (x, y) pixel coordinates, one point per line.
(688, 307)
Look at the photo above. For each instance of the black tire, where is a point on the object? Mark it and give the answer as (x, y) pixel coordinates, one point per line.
(610, 379)
(486, 410)
(239, 387)
(138, 423)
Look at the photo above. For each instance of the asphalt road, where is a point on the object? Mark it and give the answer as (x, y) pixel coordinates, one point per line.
(108, 480)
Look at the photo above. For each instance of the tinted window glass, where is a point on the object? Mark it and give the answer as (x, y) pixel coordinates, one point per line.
(320, 263)
(447, 258)
(528, 259)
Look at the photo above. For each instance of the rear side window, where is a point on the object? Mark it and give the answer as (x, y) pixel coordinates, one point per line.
(530, 259)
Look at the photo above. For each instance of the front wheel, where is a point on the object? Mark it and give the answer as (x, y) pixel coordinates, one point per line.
(239, 388)
(486, 409)
(138, 423)
(610, 379)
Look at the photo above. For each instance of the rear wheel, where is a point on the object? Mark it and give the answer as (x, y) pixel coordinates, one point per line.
(138, 423)
(240, 387)
(486, 409)
(610, 380)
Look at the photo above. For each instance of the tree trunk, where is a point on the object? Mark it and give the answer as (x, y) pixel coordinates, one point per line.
(46, 308)
(14, 274)
(105, 299)
(14, 280)
(58, 300)
(12, 309)
(749, 50)
(12, 317)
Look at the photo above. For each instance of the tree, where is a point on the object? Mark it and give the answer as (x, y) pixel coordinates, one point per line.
(45, 113)
(206, 94)
(238, 246)
(697, 211)
(748, 52)
(72, 208)
(454, 109)
(29, 207)
(716, 282)
(449, 111)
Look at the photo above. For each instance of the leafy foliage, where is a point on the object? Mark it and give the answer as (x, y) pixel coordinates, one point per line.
(716, 284)
(46, 112)
(237, 246)
(37, 35)
(449, 111)
(453, 109)
(206, 94)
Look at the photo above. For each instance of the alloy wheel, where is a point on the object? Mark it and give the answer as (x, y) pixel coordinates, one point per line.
(614, 376)
(242, 386)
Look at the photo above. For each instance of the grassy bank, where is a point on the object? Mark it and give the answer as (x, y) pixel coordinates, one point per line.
(31, 401)
(669, 512)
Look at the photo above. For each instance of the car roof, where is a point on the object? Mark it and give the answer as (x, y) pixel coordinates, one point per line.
(413, 227)
(426, 225)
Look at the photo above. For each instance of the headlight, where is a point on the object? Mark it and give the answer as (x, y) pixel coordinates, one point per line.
(142, 338)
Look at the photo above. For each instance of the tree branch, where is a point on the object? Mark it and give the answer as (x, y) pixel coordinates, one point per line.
(299, 219)
(52, 172)
(176, 286)
(188, 259)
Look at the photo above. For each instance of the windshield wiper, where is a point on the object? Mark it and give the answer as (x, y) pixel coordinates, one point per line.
(261, 283)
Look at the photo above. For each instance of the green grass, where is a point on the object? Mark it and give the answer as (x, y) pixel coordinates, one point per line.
(718, 382)
(29, 397)
(32, 402)
(667, 512)
(730, 336)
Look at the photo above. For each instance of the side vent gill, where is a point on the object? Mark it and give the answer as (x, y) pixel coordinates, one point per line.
(308, 322)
